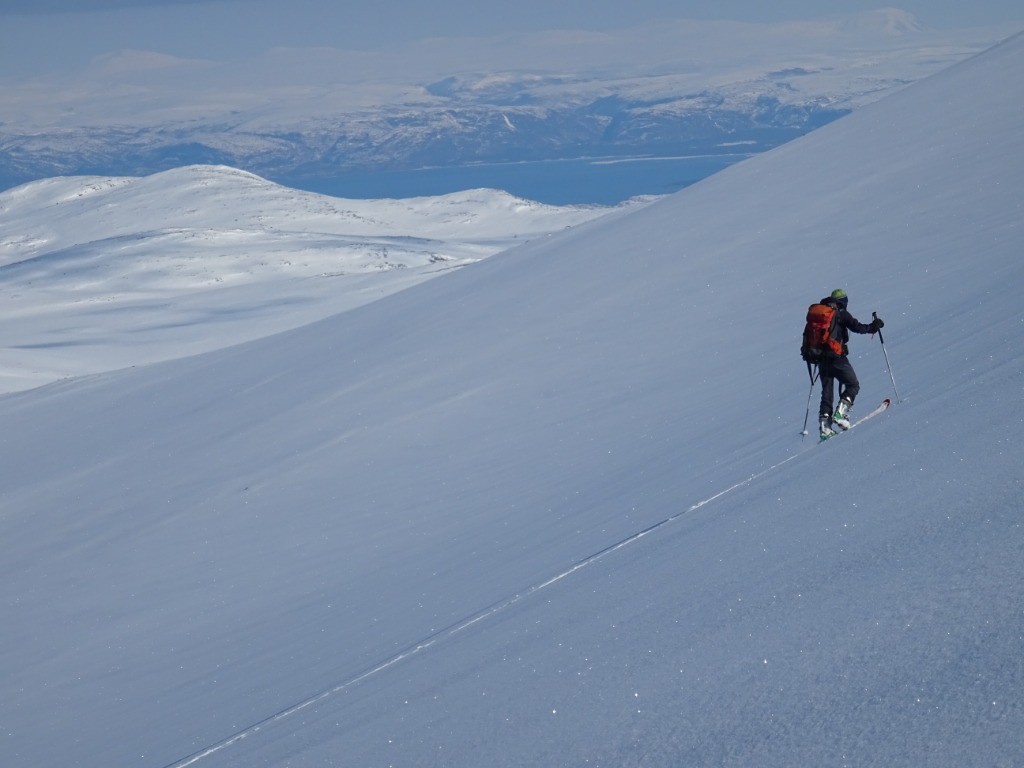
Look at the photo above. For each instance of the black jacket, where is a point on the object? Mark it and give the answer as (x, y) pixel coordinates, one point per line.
(847, 322)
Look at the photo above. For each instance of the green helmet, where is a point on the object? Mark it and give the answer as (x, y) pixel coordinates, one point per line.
(838, 293)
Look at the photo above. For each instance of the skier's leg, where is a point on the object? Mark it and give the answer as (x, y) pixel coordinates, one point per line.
(849, 386)
(827, 390)
(848, 389)
(827, 393)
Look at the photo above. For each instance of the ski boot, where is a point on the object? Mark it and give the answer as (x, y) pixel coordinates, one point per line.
(842, 414)
(824, 425)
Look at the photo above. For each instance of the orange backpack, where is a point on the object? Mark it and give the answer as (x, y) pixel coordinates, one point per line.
(820, 332)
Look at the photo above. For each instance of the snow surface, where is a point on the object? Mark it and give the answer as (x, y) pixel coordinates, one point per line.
(552, 508)
(100, 273)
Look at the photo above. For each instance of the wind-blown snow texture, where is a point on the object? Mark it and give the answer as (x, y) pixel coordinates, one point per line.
(390, 537)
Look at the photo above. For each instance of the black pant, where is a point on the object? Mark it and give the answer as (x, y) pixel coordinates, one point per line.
(830, 371)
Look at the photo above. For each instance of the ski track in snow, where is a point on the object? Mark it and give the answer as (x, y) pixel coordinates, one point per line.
(460, 626)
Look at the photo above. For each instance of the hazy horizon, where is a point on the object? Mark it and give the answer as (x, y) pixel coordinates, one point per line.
(54, 35)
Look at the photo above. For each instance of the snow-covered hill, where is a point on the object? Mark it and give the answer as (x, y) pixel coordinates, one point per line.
(552, 508)
(679, 87)
(99, 273)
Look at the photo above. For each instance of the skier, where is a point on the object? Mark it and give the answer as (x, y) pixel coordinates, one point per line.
(839, 367)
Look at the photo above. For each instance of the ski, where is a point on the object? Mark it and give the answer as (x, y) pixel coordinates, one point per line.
(861, 420)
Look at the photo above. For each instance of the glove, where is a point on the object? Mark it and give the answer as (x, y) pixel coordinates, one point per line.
(877, 324)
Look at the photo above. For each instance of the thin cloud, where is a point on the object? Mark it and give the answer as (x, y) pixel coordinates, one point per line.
(39, 7)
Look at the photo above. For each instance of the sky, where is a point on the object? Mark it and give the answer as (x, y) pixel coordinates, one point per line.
(39, 36)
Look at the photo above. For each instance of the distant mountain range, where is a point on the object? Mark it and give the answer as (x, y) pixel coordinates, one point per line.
(299, 115)
(455, 134)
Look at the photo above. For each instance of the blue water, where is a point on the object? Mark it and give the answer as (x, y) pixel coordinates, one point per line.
(556, 182)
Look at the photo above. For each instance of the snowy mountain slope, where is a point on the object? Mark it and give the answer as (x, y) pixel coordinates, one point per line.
(393, 537)
(678, 87)
(102, 273)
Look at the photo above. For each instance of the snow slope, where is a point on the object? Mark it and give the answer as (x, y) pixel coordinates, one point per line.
(98, 273)
(553, 509)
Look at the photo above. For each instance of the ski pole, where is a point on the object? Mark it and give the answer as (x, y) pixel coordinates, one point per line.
(887, 365)
(809, 393)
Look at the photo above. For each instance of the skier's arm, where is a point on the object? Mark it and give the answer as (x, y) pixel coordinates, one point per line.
(856, 325)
